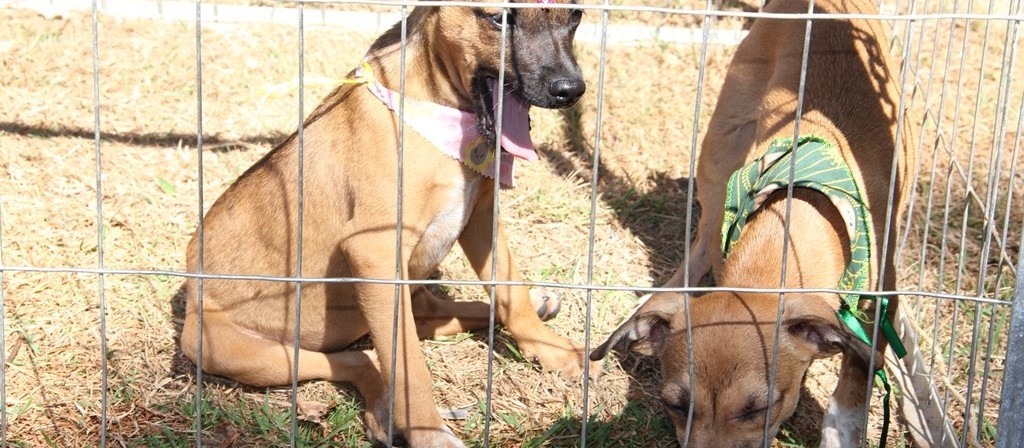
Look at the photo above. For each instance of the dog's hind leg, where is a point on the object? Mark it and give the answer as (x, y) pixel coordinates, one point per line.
(439, 317)
(248, 358)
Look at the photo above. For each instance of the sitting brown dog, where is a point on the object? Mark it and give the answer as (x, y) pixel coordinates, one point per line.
(350, 215)
(847, 137)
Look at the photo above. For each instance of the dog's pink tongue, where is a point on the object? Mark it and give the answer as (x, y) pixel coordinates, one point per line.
(515, 124)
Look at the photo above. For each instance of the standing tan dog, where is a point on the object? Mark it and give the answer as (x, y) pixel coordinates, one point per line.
(850, 114)
(350, 216)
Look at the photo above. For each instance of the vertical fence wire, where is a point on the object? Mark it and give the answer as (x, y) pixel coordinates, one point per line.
(938, 142)
(398, 228)
(995, 167)
(953, 164)
(200, 234)
(293, 412)
(908, 45)
(1006, 233)
(936, 116)
(889, 214)
(908, 40)
(965, 224)
(690, 188)
(3, 337)
(988, 210)
(995, 160)
(801, 88)
(99, 224)
(499, 108)
(592, 225)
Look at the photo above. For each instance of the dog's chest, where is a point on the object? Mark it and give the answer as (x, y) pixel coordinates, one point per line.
(444, 229)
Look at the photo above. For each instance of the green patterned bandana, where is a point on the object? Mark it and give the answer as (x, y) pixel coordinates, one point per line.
(820, 167)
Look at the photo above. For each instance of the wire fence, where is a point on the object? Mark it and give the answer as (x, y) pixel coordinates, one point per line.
(958, 253)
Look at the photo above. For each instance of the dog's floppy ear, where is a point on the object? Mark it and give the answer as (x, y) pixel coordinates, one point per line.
(646, 329)
(817, 331)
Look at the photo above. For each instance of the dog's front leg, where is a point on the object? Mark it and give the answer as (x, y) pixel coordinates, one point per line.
(725, 150)
(844, 420)
(415, 415)
(513, 307)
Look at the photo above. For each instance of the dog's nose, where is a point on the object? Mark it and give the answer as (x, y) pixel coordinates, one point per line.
(567, 91)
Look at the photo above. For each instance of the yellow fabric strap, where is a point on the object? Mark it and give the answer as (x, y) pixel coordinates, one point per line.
(362, 76)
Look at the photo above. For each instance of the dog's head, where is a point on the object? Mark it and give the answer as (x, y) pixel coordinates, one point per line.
(539, 63)
(540, 68)
(733, 338)
(464, 58)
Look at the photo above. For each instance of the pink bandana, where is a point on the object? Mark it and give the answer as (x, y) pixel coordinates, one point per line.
(454, 131)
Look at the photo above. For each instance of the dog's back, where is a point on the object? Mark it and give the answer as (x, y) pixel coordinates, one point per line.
(855, 107)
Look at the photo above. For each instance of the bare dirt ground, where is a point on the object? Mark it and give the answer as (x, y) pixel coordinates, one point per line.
(149, 190)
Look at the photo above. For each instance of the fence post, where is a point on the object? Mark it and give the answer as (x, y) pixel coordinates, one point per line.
(1011, 422)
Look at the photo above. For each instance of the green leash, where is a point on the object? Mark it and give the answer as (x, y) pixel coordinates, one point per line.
(820, 167)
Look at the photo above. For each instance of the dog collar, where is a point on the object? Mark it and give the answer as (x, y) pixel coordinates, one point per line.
(450, 130)
(819, 166)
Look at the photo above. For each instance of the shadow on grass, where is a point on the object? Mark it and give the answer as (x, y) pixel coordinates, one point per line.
(642, 422)
(653, 209)
(161, 139)
(638, 425)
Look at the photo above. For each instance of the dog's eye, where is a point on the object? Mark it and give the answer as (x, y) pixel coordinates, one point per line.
(752, 411)
(750, 415)
(496, 20)
(680, 410)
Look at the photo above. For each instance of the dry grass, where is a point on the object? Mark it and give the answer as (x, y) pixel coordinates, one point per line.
(966, 149)
(149, 190)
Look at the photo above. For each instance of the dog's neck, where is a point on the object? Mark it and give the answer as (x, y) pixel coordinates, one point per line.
(450, 128)
(428, 75)
(817, 251)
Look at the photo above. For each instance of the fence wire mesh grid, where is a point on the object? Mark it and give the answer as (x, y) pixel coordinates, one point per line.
(106, 102)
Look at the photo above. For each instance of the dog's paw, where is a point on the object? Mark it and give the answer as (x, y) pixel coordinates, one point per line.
(376, 421)
(841, 427)
(434, 438)
(563, 356)
(377, 431)
(547, 303)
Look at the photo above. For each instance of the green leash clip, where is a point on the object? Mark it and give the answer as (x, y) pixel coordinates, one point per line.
(889, 332)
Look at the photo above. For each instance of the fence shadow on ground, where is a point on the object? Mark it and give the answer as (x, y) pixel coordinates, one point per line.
(155, 139)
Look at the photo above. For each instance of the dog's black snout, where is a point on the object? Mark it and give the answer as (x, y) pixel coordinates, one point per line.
(567, 91)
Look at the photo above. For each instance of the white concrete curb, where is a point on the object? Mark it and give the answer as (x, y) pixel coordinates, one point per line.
(360, 21)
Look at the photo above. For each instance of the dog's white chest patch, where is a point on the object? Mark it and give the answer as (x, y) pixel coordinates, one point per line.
(444, 230)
